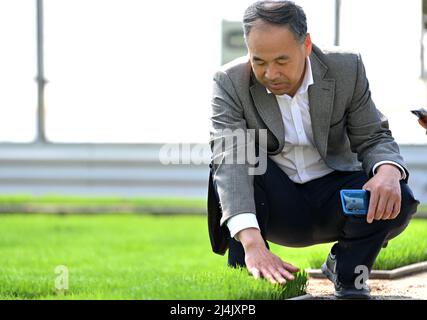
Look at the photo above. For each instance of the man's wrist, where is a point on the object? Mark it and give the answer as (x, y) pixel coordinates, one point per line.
(397, 165)
(250, 237)
(390, 169)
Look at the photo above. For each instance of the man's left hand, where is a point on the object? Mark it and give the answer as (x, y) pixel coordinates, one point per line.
(385, 198)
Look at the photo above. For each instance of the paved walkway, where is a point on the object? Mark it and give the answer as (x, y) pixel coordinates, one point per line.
(411, 287)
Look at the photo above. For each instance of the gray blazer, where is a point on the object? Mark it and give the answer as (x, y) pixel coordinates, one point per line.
(349, 132)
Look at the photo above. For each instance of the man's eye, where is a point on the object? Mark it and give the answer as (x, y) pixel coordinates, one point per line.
(259, 63)
(281, 62)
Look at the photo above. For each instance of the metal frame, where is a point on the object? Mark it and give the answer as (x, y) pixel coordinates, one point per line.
(337, 22)
(40, 78)
(423, 72)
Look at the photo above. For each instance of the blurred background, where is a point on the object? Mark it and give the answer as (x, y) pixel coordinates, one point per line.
(92, 90)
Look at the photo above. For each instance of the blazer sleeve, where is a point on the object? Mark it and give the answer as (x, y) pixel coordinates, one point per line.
(368, 129)
(233, 183)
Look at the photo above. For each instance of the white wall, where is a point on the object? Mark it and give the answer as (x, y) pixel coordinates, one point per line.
(130, 70)
(18, 90)
(388, 35)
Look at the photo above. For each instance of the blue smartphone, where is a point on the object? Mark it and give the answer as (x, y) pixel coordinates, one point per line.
(355, 202)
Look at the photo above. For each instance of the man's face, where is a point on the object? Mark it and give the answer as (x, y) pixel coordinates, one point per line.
(277, 59)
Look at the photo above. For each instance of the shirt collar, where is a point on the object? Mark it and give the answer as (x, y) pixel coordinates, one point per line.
(306, 82)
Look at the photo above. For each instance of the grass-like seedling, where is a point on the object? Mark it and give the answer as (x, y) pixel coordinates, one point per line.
(122, 257)
(127, 256)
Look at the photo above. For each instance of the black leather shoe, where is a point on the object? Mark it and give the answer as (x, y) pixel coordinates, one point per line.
(343, 291)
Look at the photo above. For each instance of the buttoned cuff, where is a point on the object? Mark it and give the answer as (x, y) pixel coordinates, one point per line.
(241, 221)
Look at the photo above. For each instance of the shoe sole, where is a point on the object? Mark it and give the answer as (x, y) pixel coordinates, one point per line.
(353, 296)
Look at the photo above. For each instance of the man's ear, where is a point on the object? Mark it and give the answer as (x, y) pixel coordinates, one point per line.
(308, 45)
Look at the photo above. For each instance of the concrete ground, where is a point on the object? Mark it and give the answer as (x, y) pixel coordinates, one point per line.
(406, 288)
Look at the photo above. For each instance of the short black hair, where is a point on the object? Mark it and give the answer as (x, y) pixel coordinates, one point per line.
(281, 12)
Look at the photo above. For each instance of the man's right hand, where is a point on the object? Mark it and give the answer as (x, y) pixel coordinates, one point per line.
(260, 262)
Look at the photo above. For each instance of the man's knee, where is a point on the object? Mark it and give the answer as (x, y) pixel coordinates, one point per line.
(408, 205)
(407, 209)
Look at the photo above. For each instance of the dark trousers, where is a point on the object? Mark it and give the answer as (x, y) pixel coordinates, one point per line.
(299, 215)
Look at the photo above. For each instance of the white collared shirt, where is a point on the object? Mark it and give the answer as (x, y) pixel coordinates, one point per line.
(299, 158)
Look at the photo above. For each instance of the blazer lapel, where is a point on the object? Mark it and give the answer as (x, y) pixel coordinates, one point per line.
(269, 111)
(321, 98)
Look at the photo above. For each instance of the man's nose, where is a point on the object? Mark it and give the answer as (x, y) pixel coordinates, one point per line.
(271, 73)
